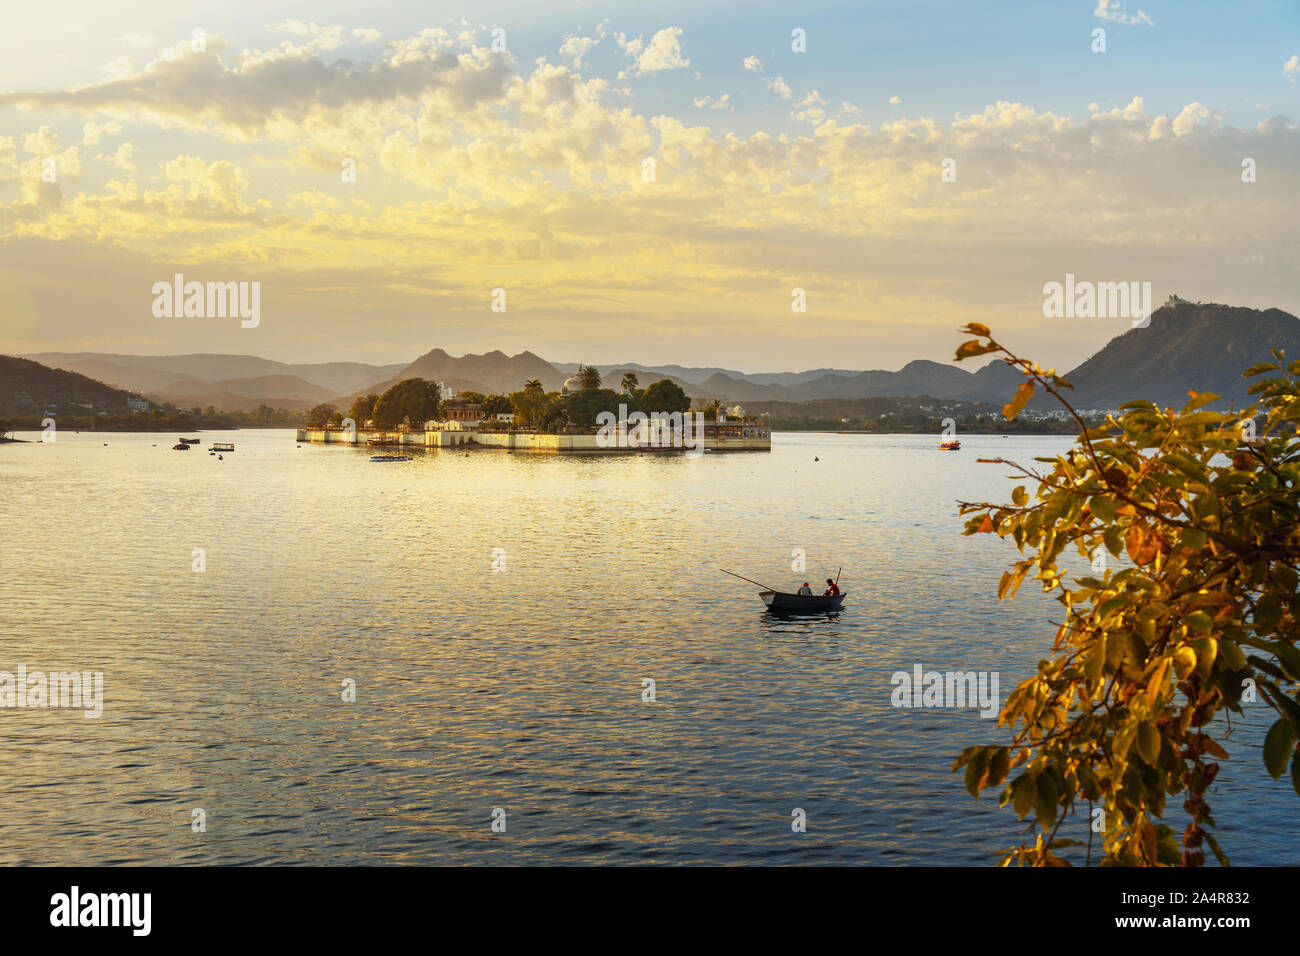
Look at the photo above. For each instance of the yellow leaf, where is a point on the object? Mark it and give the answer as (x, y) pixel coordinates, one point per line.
(973, 348)
(1014, 407)
(1184, 661)
(1158, 681)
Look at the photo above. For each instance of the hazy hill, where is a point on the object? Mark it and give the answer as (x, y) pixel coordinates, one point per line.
(151, 371)
(56, 389)
(494, 372)
(1201, 346)
(260, 388)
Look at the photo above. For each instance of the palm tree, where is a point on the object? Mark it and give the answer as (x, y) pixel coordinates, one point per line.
(532, 384)
(629, 382)
(589, 375)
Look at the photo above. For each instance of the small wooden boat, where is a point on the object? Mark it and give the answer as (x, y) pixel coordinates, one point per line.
(389, 458)
(951, 444)
(787, 603)
(808, 603)
(181, 447)
(189, 441)
(221, 446)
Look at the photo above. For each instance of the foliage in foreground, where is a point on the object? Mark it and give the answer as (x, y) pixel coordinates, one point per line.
(1202, 621)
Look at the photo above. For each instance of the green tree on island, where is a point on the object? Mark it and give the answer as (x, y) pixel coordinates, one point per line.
(322, 414)
(629, 383)
(529, 404)
(411, 401)
(664, 396)
(363, 408)
(1150, 660)
(581, 408)
(497, 405)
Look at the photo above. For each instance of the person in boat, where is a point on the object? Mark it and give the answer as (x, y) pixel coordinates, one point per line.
(805, 589)
(832, 589)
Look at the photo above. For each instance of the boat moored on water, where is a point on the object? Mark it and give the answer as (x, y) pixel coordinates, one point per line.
(180, 446)
(950, 444)
(221, 446)
(390, 458)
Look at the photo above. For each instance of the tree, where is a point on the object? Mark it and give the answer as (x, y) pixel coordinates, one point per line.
(363, 408)
(711, 410)
(589, 376)
(319, 414)
(412, 400)
(497, 405)
(1145, 657)
(529, 406)
(629, 383)
(471, 398)
(582, 407)
(664, 396)
(532, 385)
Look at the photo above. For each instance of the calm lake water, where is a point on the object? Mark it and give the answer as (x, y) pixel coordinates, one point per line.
(518, 689)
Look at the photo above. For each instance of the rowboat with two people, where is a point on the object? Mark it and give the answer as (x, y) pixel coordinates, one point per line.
(802, 601)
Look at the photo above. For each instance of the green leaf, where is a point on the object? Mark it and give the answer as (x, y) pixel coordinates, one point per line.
(1103, 506)
(1149, 742)
(1023, 795)
(1048, 797)
(975, 771)
(1278, 744)
(1218, 853)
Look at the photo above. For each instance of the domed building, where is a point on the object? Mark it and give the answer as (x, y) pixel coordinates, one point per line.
(571, 384)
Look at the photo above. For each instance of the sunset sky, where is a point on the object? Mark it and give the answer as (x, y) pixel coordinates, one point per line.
(523, 170)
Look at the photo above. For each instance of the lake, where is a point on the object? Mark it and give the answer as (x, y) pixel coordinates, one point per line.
(519, 688)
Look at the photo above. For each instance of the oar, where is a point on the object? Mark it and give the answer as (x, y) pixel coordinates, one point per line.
(837, 574)
(743, 578)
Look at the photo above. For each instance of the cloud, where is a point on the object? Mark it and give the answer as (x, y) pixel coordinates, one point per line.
(469, 168)
(1291, 68)
(809, 109)
(754, 64)
(894, 101)
(278, 92)
(664, 52)
(367, 35)
(121, 158)
(1113, 10)
(92, 132)
(577, 47)
(708, 102)
(779, 87)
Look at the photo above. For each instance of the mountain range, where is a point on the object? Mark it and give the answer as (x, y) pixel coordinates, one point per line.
(1187, 345)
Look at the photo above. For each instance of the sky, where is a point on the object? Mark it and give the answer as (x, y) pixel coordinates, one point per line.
(615, 182)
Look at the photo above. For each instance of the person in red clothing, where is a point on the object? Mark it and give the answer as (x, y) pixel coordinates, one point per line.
(832, 589)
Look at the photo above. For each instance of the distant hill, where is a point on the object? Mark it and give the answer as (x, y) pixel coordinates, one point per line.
(29, 388)
(1189, 345)
(995, 382)
(152, 371)
(491, 372)
(261, 388)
